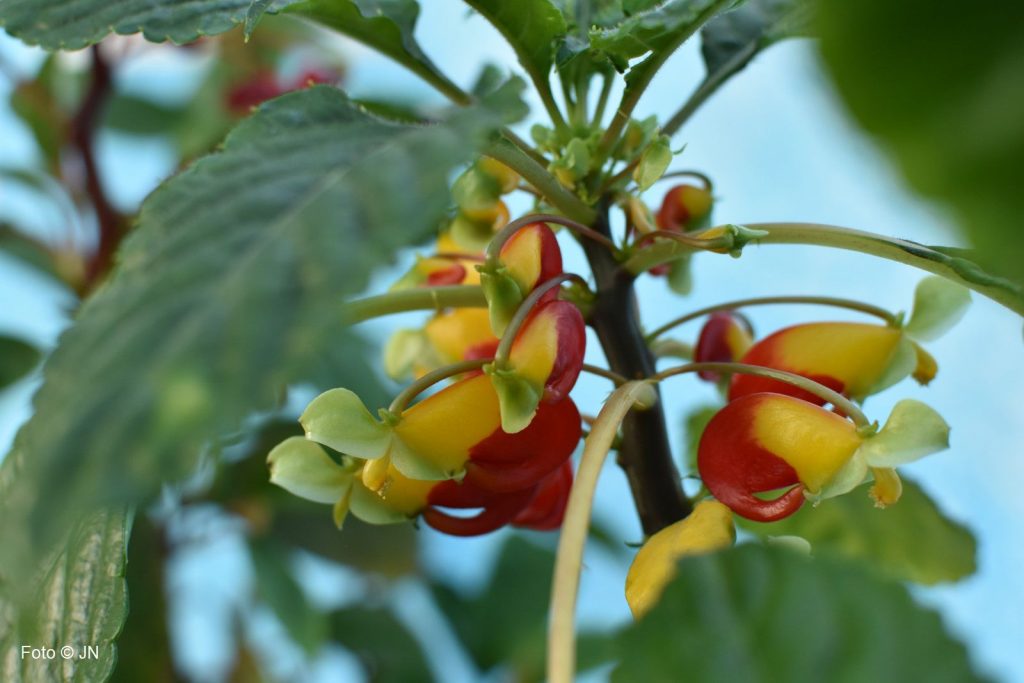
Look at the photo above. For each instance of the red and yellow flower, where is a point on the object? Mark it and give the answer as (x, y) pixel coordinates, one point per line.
(725, 338)
(529, 258)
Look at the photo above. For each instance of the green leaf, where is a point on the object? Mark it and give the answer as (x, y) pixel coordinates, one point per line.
(74, 24)
(911, 540)
(656, 29)
(229, 289)
(78, 599)
(913, 73)
(278, 588)
(532, 28)
(731, 40)
(338, 419)
(304, 469)
(912, 431)
(17, 358)
(751, 612)
(384, 25)
(383, 645)
(938, 305)
(505, 624)
(139, 116)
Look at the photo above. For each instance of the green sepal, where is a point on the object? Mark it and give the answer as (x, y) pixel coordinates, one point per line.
(404, 349)
(653, 163)
(938, 305)
(502, 293)
(901, 365)
(475, 190)
(470, 233)
(912, 431)
(338, 419)
(518, 399)
(368, 506)
(415, 466)
(304, 469)
(680, 277)
(341, 507)
(741, 235)
(850, 476)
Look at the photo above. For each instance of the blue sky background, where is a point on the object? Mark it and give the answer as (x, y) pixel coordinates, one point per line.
(779, 147)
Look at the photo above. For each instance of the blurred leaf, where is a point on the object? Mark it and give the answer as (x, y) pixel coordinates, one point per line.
(20, 246)
(143, 648)
(78, 598)
(531, 27)
(910, 540)
(506, 624)
(35, 105)
(734, 38)
(749, 613)
(385, 25)
(138, 116)
(17, 359)
(384, 646)
(939, 85)
(277, 587)
(74, 24)
(228, 290)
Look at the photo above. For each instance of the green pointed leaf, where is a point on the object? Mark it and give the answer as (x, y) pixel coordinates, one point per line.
(303, 468)
(16, 360)
(74, 24)
(894, 66)
(531, 27)
(938, 305)
(382, 644)
(729, 42)
(912, 431)
(78, 598)
(749, 613)
(653, 163)
(911, 540)
(229, 289)
(504, 624)
(384, 25)
(338, 419)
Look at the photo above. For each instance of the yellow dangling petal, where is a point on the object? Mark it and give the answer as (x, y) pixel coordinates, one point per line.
(375, 473)
(887, 488)
(926, 368)
(707, 529)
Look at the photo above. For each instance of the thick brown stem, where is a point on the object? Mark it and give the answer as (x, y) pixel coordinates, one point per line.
(645, 455)
(83, 129)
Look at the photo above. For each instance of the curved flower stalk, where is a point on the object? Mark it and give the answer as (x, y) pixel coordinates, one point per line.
(708, 528)
(763, 442)
(857, 359)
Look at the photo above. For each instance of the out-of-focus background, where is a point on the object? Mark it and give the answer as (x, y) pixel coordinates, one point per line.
(778, 146)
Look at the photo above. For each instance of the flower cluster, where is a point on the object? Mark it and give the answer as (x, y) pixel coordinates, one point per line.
(497, 439)
(775, 433)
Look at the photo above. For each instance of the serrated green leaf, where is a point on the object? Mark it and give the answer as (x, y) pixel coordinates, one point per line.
(74, 24)
(505, 624)
(894, 66)
(338, 419)
(731, 40)
(277, 587)
(938, 305)
(531, 27)
(17, 358)
(911, 540)
(77, 599)
(385, 25)
(658, 28)
(912, 431)
(229, 289)
(385, 647)
(749, 613)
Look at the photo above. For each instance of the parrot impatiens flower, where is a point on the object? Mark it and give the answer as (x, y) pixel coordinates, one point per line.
(763, 442)
(725, 338)
(857, 359)
(529, 258)
(708, 528)
(684, 208)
